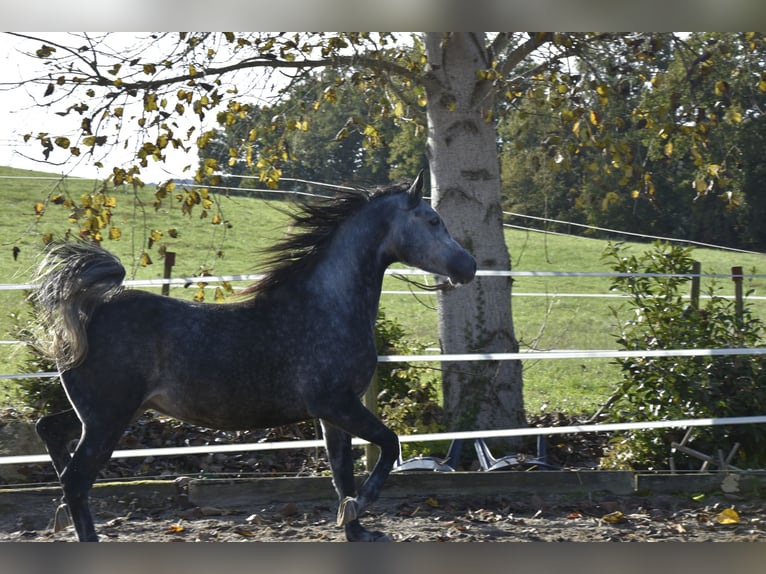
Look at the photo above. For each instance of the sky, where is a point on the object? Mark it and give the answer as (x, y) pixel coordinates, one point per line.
(19, 115)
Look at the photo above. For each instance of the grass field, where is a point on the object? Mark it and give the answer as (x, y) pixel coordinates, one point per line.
(552, 320)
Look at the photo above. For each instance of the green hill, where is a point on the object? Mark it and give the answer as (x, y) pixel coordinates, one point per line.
(554, 320)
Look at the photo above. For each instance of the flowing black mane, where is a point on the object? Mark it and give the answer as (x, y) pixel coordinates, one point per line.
(312, 227)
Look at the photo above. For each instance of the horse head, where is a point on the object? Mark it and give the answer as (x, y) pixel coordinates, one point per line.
(421, 239)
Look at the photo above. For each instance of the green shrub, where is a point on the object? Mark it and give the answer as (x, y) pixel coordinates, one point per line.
(40, 395)
(408, 395)
(669, 388)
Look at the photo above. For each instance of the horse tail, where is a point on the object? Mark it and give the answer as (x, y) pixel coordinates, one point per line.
(73, 278)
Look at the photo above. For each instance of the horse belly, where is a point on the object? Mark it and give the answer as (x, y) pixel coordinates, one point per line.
(229, 404)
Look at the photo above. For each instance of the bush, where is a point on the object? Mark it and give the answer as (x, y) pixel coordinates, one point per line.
(41, 395)
(408, 395)
(668, 388)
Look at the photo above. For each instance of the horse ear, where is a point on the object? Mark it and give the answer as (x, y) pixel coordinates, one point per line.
(416, 191)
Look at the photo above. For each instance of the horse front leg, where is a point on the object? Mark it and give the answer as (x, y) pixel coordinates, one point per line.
(363, 424)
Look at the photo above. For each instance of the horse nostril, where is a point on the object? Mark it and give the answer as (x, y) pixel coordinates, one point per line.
(464, 269)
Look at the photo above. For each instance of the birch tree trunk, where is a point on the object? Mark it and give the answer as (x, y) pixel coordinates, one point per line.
(465, 188)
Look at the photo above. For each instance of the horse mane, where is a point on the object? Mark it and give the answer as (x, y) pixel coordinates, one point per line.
(312, 227)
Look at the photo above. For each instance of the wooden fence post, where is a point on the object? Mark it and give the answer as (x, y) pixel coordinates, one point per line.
(739, 304)
(695, 294)
(170, 260)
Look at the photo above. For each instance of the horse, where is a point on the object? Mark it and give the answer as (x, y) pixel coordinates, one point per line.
(298, 345)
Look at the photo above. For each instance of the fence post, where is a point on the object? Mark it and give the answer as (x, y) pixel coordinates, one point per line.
(170, 260)
(695, 294)
(739, 305)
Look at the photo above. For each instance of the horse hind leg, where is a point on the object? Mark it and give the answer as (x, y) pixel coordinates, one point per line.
(100, 435)
(57, 431)
(91, 454)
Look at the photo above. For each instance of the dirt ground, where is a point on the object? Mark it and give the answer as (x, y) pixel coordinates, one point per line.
(124, 518)
(535, 519)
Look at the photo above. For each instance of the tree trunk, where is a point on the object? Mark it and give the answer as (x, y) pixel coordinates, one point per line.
(465, 188)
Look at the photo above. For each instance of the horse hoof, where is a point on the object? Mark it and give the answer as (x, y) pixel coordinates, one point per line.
(379, 537)
(355, 532)
(347, 511)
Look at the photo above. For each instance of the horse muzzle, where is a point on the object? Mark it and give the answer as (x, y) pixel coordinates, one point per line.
(462, 269)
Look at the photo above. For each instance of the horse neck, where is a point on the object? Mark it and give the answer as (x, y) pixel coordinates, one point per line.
(350, 276)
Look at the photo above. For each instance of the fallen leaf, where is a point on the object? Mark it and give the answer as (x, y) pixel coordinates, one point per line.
(289, 509)
(244, 532)
(613, 517)
(432, 502)
(573, 515)
(174, 529)
(728, 516)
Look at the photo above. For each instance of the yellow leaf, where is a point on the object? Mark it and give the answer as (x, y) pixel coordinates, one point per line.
(594, 118)
(219, 296)
(669, 149)
(150, 102)
(174, 529)
(199, 295)
(728, 516)
(39, 208)
(634, 194)
(613, 517)
(115, 233)
(432, 502)
(62, 142)
(733, 115)
(762, 86)
(721, 87)
(145, 259)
